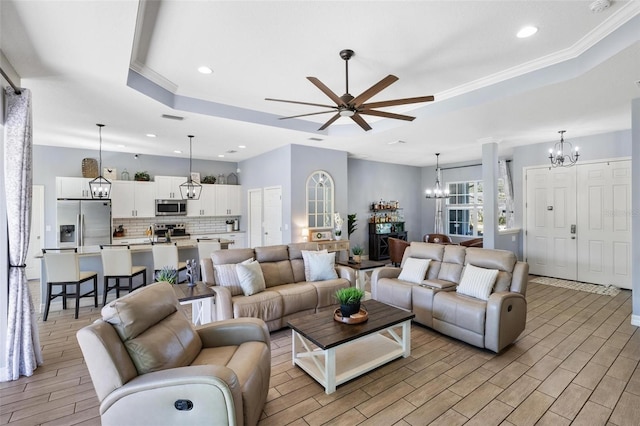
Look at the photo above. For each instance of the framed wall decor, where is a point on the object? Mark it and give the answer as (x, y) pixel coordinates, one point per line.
(195, 177)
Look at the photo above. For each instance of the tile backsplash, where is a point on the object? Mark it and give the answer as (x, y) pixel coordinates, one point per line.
(136, 227)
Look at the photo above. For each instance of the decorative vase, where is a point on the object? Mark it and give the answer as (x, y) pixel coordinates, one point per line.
(348, 310)
(357, 258)
(338, 237)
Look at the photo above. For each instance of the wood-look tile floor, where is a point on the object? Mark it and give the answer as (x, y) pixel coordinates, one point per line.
(576, 363)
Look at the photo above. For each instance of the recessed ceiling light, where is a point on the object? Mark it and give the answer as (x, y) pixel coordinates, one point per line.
(242, 146)
(151, 135)
(220, 155)
(527, 31)
(204, 70)
(177, 151)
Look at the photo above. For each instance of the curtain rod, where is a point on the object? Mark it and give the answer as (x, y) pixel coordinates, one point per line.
(468, 165)
(6, 77)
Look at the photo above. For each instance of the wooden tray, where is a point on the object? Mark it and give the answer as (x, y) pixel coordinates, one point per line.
(358, 318)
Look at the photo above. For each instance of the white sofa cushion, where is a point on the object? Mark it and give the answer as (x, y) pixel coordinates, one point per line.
(251, 277)
(414, 270)
(319, 265)
(477, 282)
(226, 276)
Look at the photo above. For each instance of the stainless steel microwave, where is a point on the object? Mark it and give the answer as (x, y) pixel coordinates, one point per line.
(171, 207)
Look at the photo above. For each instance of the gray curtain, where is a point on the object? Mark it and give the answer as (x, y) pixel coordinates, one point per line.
(23, 353)
(438, 226)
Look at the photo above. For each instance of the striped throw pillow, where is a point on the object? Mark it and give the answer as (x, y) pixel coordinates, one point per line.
(414, 270)
(477, 282)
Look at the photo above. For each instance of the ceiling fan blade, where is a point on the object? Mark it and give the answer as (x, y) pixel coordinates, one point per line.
(387, 114)
(356, 117)
(373, 90)
(394, 102)
(304, 115)
(298, 102)
(320, 85)
(331, 120)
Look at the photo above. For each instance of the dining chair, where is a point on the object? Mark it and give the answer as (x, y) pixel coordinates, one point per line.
(166, 254)
(63, 269)
(116, 265)
(206, 246)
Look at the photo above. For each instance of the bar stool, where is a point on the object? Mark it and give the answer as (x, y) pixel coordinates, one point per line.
(117, 264)
(206, 246)
(166, 254)
(63, 269)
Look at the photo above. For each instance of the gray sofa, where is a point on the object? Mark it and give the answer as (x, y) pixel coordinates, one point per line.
(491, 324)
(287, 293)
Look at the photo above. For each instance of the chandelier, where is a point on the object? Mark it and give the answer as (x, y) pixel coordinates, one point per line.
(437, 191)
(190, 190)
(100, 187)
(563, 154)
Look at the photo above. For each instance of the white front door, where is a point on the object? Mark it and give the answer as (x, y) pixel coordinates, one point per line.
(255, 218)
(551, 222)
(36, 237)
(272, 224)
(604, 223)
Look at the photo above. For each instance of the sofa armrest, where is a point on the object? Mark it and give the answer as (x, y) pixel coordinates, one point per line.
(348, 274)
(520, 278)
(234, 332)
(506, 319)
(206, 271)
(384, 272)
(214, 391)
(223, 304)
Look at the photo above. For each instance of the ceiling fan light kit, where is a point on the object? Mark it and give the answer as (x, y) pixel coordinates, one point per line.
(563, 154)
(354, 107)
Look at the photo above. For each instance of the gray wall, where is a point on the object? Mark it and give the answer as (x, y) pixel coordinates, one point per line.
(371, 181)
(49, 162)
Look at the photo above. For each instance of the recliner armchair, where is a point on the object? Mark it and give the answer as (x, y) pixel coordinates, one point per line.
(149, 365)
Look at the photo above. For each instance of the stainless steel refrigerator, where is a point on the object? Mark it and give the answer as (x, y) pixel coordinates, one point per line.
(83, 222)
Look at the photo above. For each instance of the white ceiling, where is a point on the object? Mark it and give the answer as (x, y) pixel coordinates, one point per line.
(577, 73)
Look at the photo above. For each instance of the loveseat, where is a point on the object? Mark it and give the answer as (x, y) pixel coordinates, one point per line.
(288, 292)
(150, 366)
(492, 317)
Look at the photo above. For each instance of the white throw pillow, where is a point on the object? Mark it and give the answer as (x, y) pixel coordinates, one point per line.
(226, 276)
(321, 265)
(305, 257)
(251, 277)
(477, 282)
(414, 270)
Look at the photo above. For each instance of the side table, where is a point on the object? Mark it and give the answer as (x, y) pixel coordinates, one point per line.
(361, 268)
(201, 298)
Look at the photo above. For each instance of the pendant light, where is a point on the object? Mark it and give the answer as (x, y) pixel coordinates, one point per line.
(563, 154)
(437, 191)
(190, 190)
(100, 187)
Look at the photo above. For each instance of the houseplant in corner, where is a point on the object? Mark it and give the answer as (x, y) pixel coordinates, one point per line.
(352, 224)
(349, 300)
(168, 274)
(357, 253)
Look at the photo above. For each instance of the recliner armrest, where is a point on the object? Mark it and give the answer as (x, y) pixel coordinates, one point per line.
(206, 271)
(195, 383)
(234, 332)
(384, 272)
(506, 319)
(348, 274)
(223, 304)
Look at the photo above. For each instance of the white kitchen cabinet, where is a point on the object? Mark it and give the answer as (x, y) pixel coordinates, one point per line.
(239, 239)
(168, 187)
(73, 187)
(127, 241)
(205, 206)
(132, 199)
(228, 200)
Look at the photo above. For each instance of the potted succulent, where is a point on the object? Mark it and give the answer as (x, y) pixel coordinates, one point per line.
(349, 300)
(168, 274)
(210, 179)
(357, 253)
(142, 176)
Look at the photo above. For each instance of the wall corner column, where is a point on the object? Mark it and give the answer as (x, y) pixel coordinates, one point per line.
(635, 211)
(490, 175)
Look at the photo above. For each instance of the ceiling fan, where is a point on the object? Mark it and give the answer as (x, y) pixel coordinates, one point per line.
(348, 106)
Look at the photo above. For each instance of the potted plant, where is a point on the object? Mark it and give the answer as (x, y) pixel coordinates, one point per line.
(338, 234)
(210, 179)
(142, 176)
(338, 226)
(352, 224)
(168, 274)
(357, 253)
(349, 300)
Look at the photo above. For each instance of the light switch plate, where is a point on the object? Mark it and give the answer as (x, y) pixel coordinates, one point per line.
(320, 235)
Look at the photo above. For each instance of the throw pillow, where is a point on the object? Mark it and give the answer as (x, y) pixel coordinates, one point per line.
(477, 282)
(305, 258)
(414, 270)
(226, 276)
(322, 266)
(251, 277)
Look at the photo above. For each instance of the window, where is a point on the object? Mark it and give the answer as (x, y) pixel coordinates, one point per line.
(464, 208)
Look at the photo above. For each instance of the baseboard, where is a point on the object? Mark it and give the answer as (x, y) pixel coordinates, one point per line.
(635, 320)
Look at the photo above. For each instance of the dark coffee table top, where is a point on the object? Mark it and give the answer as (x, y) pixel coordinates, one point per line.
(325, 332)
